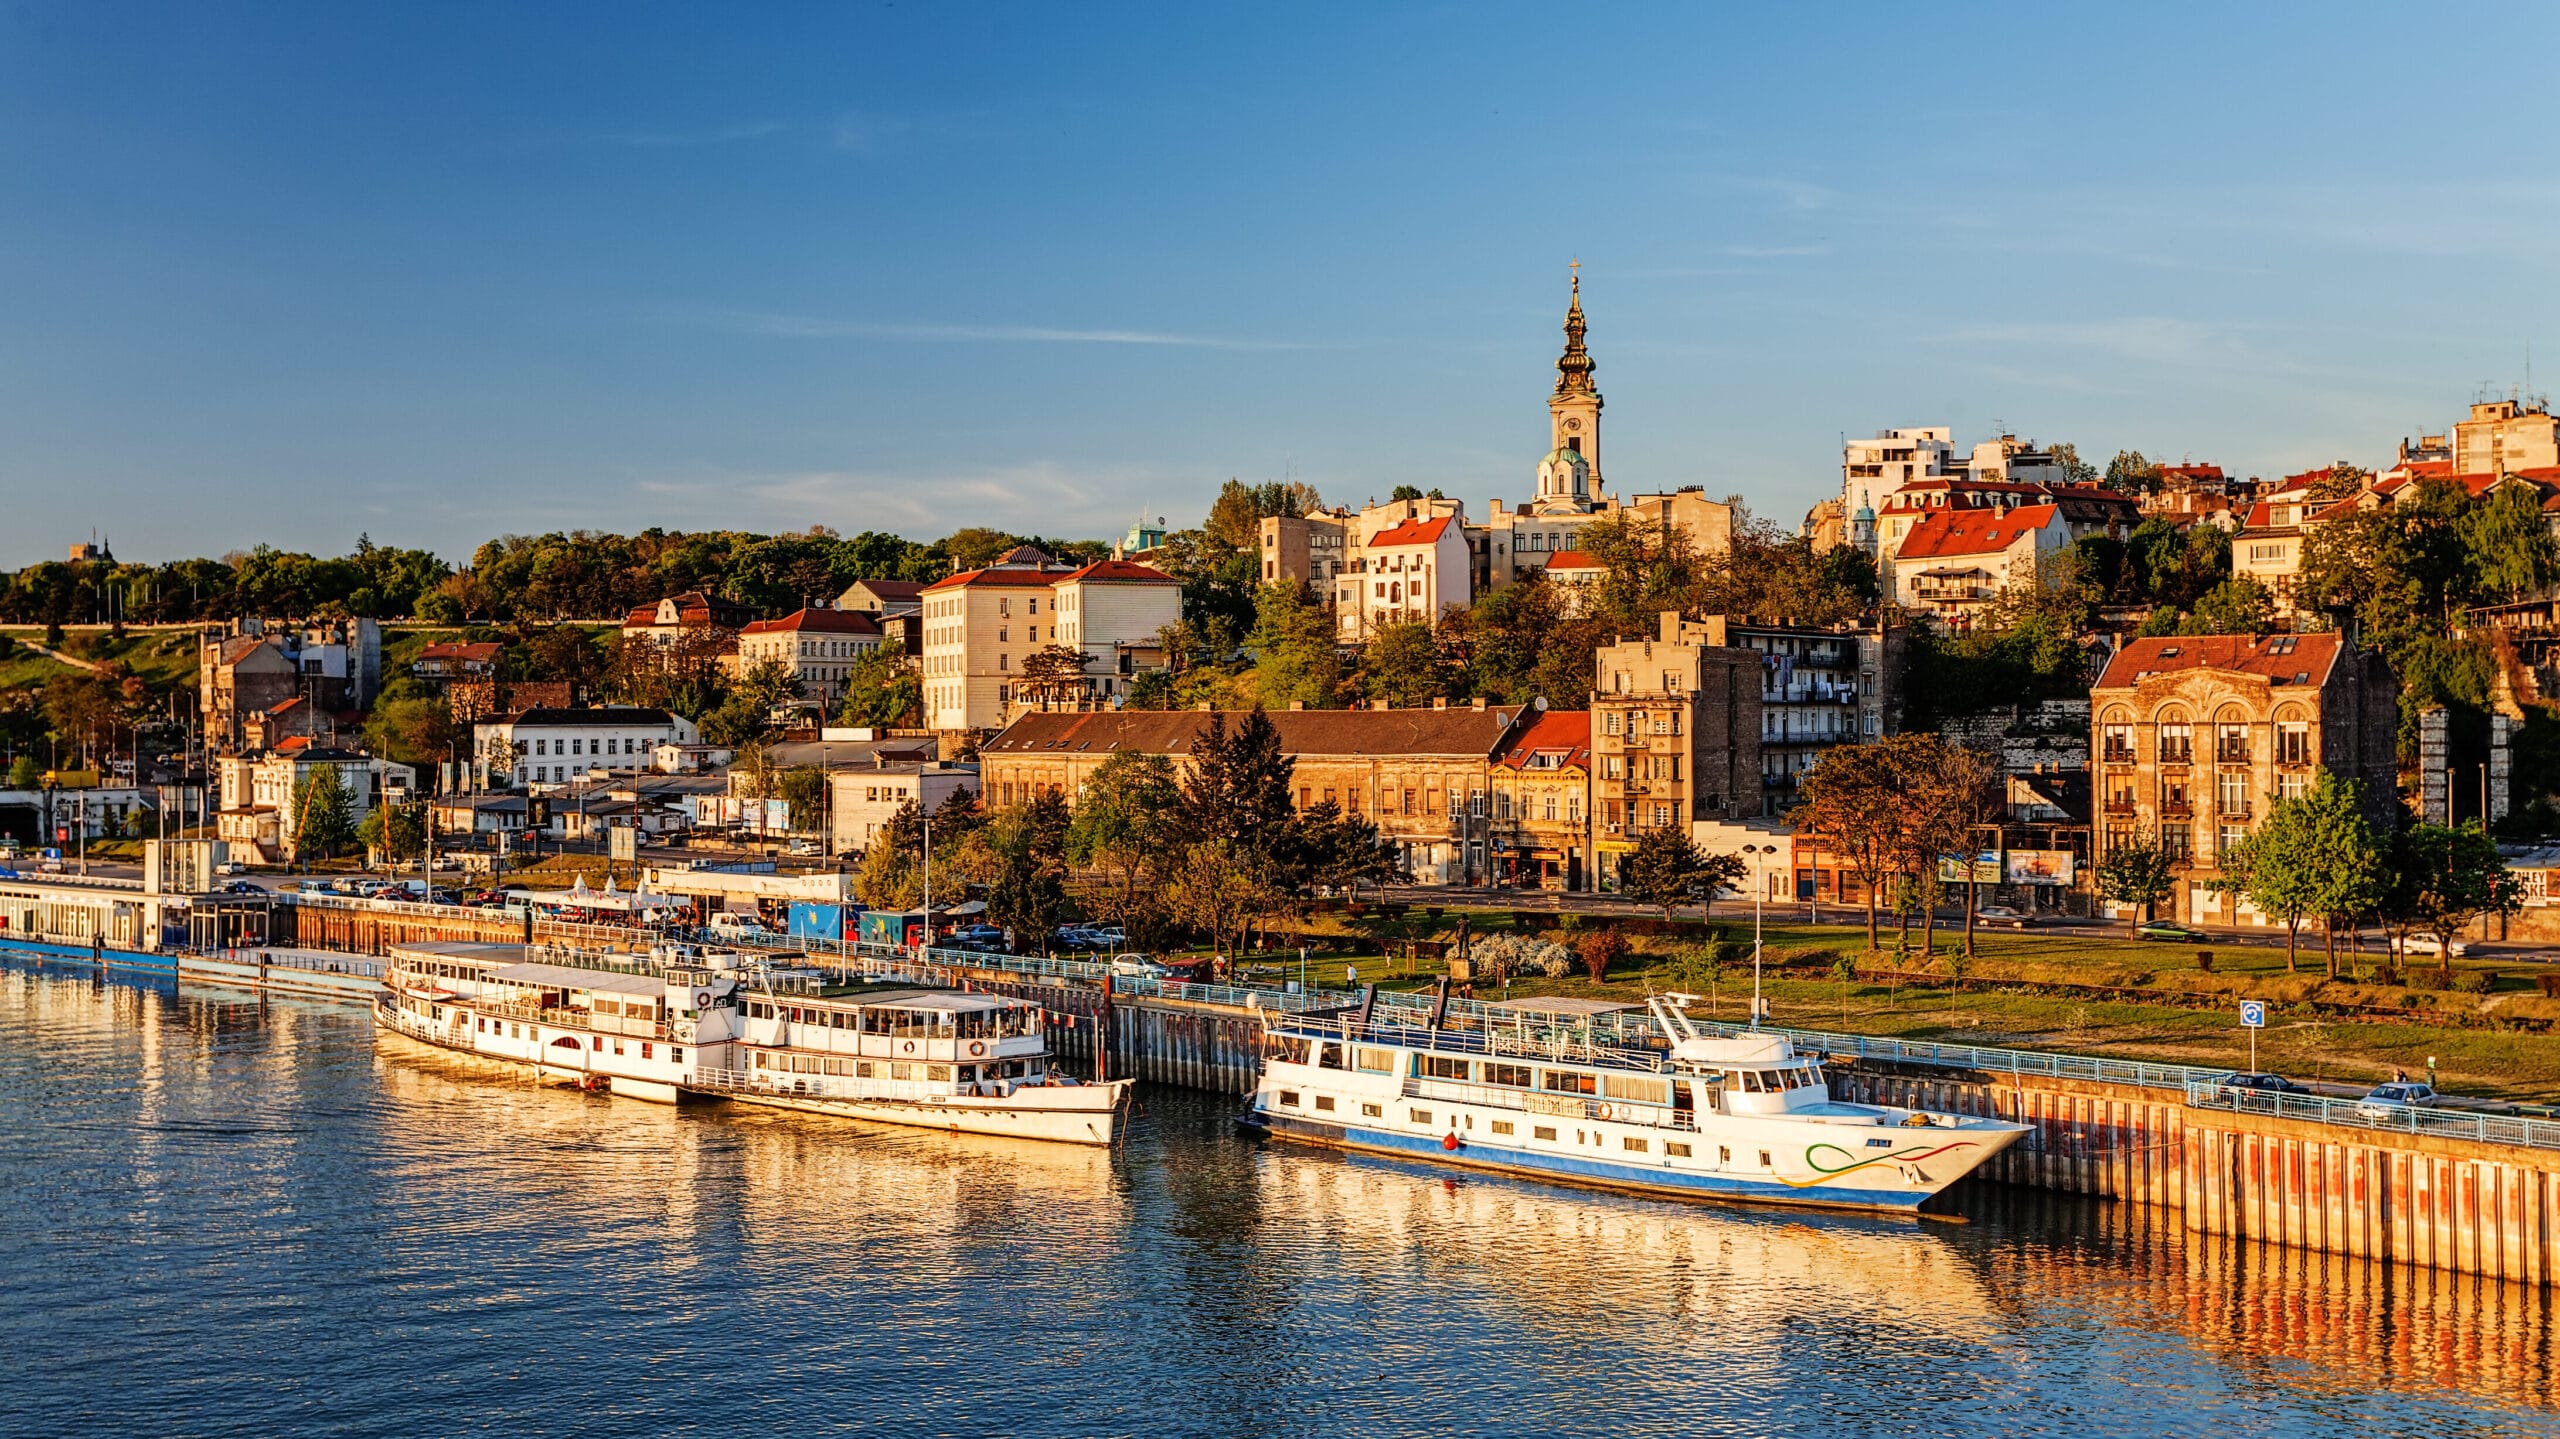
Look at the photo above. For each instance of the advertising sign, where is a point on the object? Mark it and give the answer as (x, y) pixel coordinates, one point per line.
(625, 843)
(1986, 868)
(2040, 866)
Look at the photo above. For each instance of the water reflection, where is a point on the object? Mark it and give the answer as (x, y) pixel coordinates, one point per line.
(243, 1215)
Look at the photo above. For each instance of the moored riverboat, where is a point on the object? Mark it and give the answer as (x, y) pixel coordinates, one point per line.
(637, 1029)
(967, 1063)
(1677, 1112)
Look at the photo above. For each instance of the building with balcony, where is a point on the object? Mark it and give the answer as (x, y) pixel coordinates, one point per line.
(2195, 735)
(1539, 830)
(817, 648)
(1819, 687)
(1954, 563)
(1675, 737)
(981, 627)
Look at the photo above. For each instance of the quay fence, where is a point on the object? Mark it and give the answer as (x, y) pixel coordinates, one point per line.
(2523, 1133)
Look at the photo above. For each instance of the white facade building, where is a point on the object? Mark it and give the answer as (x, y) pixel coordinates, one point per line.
(863, 801)
(555, 746)
(817, 647)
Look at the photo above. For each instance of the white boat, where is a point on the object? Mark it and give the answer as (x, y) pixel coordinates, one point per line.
(755, 1031)
(967, 1063)
(636, 1029)
(1674, 1112)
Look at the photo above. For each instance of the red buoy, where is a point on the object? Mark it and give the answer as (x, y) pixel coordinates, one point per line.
(1450, 1143)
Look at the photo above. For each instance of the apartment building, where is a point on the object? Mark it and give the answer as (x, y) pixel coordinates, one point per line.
(692, 613)
(262, 794)
(1819, 688)
(1955, 562)
(1540, 824)
(817, 647)
(862, 802)
(1421, 775)
(1873, 471)
(2196, 735)
(253, 667)
(1407, 572)
(1675, 737)
(2268, 546)
(882, 597)
(2500, 437)
(980, 627)
(557, 746)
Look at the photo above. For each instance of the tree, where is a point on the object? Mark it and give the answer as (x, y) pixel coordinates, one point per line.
(416, 730)
(1297, 660)
(1126, 818)
(768, 684)
(1401, 666)
(2138, 872)
(2132, 474)
(891, 876)
(1666, 870)
(803, 791)
(1851, 808)
(1053, 674)
(2510, 543)
(882, 690)
(568, 653)
(2444, 878)
(1242, 835)
(2240, 606)
(399, 831)
(1346, 850)
(2312, 856)
(1027, 893)
(25, 772)
(323, 818)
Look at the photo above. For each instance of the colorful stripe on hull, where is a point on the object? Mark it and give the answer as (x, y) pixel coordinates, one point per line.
(1571, 1169)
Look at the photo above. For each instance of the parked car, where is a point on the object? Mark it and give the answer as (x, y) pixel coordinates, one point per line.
(2003, 914)
(1138, 966)
(240, 886)
(2170, 930)
(1071, 936)
(2427, 944)
(979, 933)
(805, 848)
(2389, 1100)
(228, 867)
(729, 923)
(1105, 936)
(2262, 1084)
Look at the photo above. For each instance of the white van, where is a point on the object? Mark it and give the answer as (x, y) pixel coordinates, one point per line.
(730, 923)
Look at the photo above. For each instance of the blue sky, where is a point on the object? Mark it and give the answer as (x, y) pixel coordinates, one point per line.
(288, 274)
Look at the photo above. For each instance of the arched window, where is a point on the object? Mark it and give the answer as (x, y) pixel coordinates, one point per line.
(2231, 735)
(2176, 736)
(2115, 736)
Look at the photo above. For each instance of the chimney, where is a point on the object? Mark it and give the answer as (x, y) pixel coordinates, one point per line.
(1203, 705)
(1479, 704)
(1382, 704)
(1671, 627)
(1440, 703)
(1297, 704)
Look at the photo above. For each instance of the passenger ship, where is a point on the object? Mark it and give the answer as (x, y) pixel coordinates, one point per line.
(688, 1023)
(1743, 1118)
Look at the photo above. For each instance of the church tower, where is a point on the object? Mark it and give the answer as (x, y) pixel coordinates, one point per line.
(1569, 477)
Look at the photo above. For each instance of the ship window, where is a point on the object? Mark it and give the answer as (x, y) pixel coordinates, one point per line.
(1419, 1116)
(1377, 1061)
(1675, 1149)
(938, 1071)
(1324, 1101)
(902, 1071)
(1289, 1097)
(1638, 1146)
(675, 1054)
(1371, 1111)
(1543, 1132)
(1515, 1075)
(1764, 1159)
(862, 1071)
(1565, 1081)
(1329, 1056)
(1441, 1066)
(1724, 1155)
(1502, 1126)
(645, 1051)
(1647, 1091)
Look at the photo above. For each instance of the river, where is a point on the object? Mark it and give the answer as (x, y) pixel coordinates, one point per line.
(228, 1215)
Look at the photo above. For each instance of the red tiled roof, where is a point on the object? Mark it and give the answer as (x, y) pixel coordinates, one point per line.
(830, 622)
(1454, 731)
(892, 589)
(2191, 472)
(1972, 532)
(1412, 532)
(1025, 555)
(2275, 657)
(1017, 579)
(1573, 560)
(1566, 730)
(1121, 572)
(640, 617)
(456, 650)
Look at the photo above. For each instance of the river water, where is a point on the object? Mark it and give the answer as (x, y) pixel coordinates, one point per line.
(232, 1216)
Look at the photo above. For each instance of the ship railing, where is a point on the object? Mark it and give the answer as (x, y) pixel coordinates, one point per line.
(2475, 1125)
(801, 1085)
(1540, 1102)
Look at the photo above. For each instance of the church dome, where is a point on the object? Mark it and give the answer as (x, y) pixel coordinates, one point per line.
(1567, 459)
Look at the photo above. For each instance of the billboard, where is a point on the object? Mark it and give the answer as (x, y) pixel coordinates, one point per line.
(1986, 868)
(2040, 866)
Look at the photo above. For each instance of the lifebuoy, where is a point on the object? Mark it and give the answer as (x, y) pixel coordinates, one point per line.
(1450, 1143)
(702, 999)
(1608, 1113)
(911, 1046)
(977, 1048)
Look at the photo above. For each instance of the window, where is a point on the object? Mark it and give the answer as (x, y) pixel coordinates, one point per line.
(1324, 1101)
(1371, 1111)
(1376, 1061)
(1514, 1075)
(2116, 744)
(1289, 1097)
(1764, 1159)
(2177, 742)
(2293, 742)
(1441, 1066)
(1609, 723)
(1565, 1081)
(1502, 1126)
(2231, 743)
(1543, 1131)
(1419, 1116)
(1675, 1150)
(1723, 1155)
(1634, 1145)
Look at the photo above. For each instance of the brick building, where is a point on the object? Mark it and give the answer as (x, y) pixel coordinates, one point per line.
(2196, 735)
(1675, 737)
(1421, 775)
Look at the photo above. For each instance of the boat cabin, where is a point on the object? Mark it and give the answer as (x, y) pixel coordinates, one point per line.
(940, 1041)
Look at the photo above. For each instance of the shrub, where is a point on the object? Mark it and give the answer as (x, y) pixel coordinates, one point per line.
(2475, 981)
(2204, 960)
(1504, 955)
(1600, 949)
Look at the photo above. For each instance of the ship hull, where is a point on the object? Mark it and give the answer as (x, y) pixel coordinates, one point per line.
(1016, 1117)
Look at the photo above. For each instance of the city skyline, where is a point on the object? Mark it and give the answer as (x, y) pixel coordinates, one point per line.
(289, 281)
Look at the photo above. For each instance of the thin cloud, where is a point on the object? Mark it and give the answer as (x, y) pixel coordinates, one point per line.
(1773, 252)
(673, 139)
(863, 134)
(814, 327)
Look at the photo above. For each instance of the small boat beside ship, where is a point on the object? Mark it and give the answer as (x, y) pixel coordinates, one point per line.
(1675, 1112)
(703, 1024)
